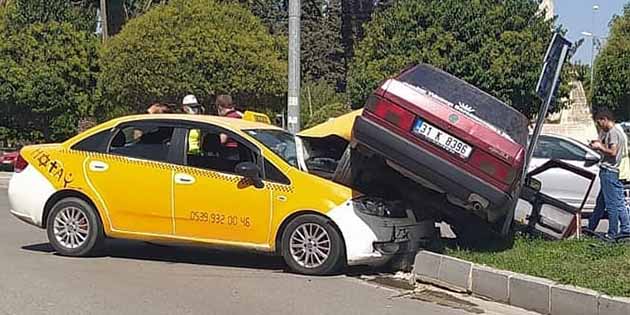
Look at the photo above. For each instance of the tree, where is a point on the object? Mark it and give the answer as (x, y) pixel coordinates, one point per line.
(611, 86)
(80, 13)
(322, 55)
(326, 112)
(314, 96)
(495, 45)
(47, 71)
(198, 46)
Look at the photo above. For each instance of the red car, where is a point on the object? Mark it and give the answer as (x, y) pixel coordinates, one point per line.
(449, 137)
(7, 160)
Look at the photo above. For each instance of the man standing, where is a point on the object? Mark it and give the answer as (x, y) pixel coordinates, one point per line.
(190, 105)
(611, 145)
(159, 108)
(225, 108)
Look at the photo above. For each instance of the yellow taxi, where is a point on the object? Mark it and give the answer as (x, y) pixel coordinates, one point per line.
(247, 187)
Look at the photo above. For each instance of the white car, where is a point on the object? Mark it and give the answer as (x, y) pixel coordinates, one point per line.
(559, 183)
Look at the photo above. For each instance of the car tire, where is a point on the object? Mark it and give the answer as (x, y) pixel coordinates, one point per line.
(74, 228)
(326, 253)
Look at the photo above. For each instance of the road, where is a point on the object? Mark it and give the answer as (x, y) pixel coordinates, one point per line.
(136, 278)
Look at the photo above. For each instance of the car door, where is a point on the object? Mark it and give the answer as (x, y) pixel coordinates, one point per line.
(133, 178)
(213, 203)
(559, 183)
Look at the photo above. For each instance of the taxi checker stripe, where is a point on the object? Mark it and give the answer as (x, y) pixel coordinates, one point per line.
(160, 165)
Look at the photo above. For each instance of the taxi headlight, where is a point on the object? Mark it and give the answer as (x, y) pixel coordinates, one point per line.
(380, 207)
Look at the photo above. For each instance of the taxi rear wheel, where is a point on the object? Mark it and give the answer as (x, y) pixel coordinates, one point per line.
(312, 245)
(74, 228)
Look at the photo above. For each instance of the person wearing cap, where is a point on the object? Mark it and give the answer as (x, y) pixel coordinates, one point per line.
(190, 105)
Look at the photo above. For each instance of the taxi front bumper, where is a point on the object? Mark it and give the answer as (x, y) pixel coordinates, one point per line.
(375, 240)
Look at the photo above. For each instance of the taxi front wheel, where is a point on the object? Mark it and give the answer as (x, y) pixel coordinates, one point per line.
(312, 245)
(74, 228)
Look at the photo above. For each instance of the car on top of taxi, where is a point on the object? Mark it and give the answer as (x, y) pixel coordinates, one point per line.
(450, 137)
(135, 177)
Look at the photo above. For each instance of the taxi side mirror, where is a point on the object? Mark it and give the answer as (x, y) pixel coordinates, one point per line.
(250, 171)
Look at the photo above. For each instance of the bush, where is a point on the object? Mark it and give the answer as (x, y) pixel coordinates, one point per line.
(496, 45)
(326, 112)
(47, 77)
(197, 46)
(315, 95)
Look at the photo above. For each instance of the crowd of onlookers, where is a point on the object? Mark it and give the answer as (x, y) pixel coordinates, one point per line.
(224, 106)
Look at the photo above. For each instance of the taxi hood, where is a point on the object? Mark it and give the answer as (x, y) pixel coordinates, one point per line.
(340, 126)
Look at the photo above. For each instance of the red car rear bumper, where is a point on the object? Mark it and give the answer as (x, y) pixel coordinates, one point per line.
(426, 165)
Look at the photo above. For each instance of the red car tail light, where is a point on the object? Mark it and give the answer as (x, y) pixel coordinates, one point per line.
(494, 167)
(20, 164)
(390, 112)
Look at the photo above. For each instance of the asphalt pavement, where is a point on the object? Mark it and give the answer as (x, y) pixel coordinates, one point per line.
(136, 278)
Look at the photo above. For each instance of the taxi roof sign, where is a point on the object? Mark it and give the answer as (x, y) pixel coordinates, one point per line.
(257, 117)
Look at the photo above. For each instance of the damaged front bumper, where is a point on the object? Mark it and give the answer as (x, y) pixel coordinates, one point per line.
(375, 231)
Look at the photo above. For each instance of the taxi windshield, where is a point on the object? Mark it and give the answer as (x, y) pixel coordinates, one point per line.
(280, 142)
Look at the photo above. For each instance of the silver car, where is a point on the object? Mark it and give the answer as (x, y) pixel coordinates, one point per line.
(560, 183)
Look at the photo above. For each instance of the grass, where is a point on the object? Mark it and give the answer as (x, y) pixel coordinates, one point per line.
(585, 263)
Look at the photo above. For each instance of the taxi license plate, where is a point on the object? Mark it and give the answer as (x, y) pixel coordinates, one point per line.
(442, 139)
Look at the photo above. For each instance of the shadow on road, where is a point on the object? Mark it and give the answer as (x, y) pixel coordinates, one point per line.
(137, 250)
(178, 255)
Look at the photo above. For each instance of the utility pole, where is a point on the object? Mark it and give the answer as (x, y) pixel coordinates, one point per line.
(293, 100)
(104, 19)
(593, 38)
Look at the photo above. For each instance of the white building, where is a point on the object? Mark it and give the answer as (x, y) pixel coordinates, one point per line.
(547, 5)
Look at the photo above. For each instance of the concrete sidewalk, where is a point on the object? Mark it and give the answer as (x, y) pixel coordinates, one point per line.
(535, 294)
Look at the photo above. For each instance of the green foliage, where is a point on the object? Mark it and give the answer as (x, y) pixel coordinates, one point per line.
(81, 14)
(326, 112)
(135, 8)
(612, 69)
(586, 263)
(199, 47)
(495, 45)
(322, 54)
(47, 75)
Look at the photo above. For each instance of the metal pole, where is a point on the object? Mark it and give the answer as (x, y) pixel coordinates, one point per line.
(543, 111)
(293, 100)
(595, 9)
(104, 19)
(592, 58)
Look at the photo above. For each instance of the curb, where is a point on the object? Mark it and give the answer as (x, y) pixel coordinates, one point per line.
(531, 293)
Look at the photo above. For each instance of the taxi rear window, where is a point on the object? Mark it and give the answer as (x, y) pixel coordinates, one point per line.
(94, 143)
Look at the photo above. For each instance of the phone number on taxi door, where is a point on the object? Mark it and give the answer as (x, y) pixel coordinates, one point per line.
(217, 218)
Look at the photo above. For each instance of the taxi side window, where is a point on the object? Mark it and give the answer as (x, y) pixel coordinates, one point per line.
(205, 150)
(143, 142)
(94, 143)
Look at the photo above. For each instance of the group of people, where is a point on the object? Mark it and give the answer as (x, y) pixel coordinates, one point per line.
(613, 147)
(225, 107)
(190, 105)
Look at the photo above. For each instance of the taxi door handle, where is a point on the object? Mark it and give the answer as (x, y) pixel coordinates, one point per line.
(98, 166)
(184, 179)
